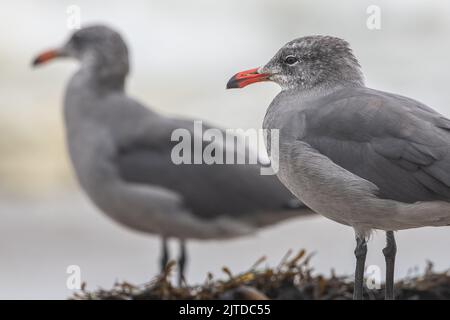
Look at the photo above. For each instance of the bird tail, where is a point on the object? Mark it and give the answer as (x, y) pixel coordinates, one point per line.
(422, 214)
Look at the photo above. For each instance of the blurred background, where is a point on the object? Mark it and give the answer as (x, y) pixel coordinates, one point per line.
(183, 53)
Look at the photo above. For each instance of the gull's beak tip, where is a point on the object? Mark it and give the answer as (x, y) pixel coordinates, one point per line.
(233, 83)
(244, 78)
(45, 57)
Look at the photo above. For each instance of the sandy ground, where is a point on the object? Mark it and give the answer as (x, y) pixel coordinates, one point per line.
(41, 238)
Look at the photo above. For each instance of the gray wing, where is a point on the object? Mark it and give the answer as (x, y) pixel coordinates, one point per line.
(399, 144)
(208, 191)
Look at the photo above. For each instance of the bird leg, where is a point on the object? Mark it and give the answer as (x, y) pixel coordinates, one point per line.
(165, 254)
(389, 254)
(360, 254)
(182, 262)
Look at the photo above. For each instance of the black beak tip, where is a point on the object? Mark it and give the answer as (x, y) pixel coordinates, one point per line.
(35, 62)
(233, 83)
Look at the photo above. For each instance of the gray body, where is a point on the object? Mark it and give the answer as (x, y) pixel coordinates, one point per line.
(364, 158)
(121, 153)
(361, 157)
(121, 150)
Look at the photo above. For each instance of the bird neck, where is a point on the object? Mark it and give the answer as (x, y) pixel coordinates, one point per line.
(343, 73)
(105, 80)
(102, 74)
(320, 90)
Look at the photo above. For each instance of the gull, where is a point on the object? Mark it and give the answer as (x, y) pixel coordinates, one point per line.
(364, 158)
(121, 154)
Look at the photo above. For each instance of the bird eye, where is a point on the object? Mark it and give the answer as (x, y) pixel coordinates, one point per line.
(290, 60)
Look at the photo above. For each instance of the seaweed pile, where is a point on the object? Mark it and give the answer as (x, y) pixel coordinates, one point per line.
(291, 279)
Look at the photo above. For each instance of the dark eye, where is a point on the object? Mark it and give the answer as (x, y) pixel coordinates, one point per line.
(290, 60)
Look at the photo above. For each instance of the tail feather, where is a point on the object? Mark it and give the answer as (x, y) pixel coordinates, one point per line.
(421, 214)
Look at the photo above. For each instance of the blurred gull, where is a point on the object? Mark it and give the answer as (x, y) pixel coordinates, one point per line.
(121, 153)
(361, 157)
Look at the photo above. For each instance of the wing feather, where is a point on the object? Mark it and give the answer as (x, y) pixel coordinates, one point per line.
(399, 144)
(208, 191)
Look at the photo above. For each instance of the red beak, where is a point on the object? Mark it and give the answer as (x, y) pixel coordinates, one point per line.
(45, 56)
(244, 78)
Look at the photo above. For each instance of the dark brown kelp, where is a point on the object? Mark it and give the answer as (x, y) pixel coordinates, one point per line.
(291, 279)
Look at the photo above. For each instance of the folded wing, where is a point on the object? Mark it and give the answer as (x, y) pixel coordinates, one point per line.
(399, 144)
